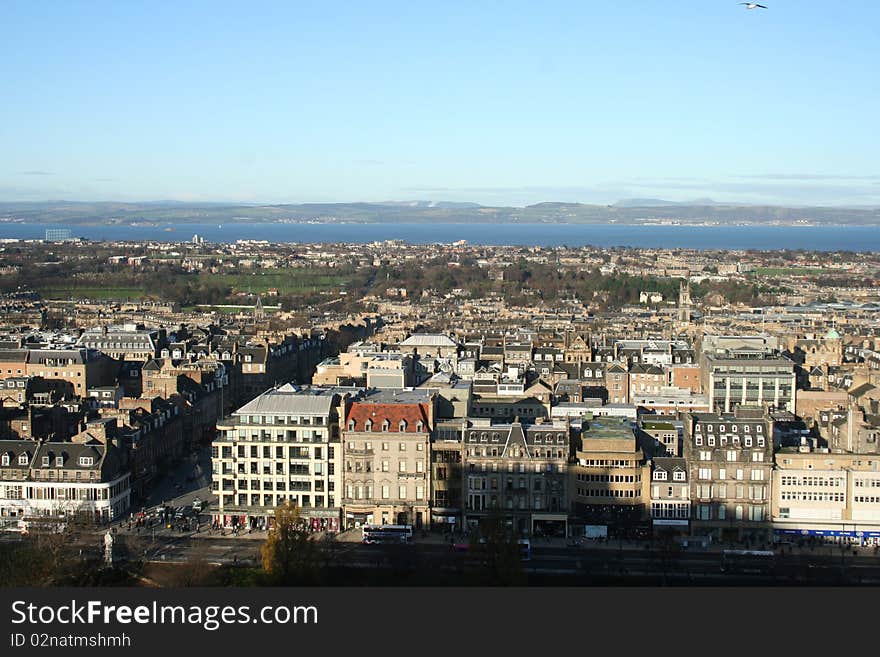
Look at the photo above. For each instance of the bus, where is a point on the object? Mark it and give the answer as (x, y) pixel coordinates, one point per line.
(747, 562)
(380, 534)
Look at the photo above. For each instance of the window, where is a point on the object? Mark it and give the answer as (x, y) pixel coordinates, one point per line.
(757, 456)
(705, 455)
(401, 492)
(385, 492)
(678, 475)
(5, 459)
(384, 447)
(384, 466)
(401, 466)
(85, 460)
(23, 459)
(420, 492)
(705, 473)
(660, 475)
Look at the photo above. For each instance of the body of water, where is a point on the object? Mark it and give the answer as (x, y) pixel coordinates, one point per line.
(818, 238)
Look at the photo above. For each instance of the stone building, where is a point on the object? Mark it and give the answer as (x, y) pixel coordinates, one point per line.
(730, 460)
(670, 496)
(609, 477)
(386, 440)
(520, 469)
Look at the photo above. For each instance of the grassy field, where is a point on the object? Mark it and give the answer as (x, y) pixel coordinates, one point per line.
(286, 282)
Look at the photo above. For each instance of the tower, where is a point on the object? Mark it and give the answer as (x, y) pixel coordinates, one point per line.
(259, 313)
(684, 301)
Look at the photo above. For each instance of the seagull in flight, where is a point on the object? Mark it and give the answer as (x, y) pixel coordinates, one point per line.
(752, 5)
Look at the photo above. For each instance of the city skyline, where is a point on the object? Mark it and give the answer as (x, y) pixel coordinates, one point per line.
(567, 102)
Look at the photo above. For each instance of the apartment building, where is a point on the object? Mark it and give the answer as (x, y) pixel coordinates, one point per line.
(520, 469)
(386, 440)
(670, 495)
(281, 446)
(665, 432)
(53, 482)
(730, 461)
(131, 342)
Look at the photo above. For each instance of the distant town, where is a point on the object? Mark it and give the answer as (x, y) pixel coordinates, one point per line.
(608, 412)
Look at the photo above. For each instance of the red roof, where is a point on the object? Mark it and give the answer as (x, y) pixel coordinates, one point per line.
(412, 414)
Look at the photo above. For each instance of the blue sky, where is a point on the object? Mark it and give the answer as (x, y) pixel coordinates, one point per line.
(494, 102)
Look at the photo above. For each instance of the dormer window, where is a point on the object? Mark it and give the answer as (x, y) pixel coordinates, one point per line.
(86, 460)
(420, 425)
(386, 425)
(59, 461)
(46, 461)
(368, 425)
(5, 459)
(23, 459)
(660, 475)
(678, 475)
(402, 426)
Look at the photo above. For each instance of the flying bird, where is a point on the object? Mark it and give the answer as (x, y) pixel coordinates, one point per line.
(752, 5)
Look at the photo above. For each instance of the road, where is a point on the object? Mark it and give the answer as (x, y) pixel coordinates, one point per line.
(174, 489)
(576, 565)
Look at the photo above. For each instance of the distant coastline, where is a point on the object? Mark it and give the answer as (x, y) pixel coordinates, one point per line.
(424, 212)
(760, 238)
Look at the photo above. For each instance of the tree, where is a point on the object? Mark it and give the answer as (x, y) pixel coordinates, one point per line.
(499, 550)
(289, 557)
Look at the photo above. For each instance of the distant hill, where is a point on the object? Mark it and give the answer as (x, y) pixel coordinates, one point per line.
(658, 202)
(629, 211)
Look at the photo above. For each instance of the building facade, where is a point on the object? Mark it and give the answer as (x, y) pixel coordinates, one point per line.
(730, 461)
(520, 470)
(281, 446)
